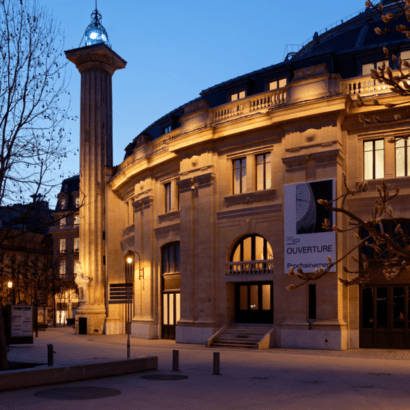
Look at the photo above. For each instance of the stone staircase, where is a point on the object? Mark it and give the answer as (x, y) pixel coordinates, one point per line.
(248, 336)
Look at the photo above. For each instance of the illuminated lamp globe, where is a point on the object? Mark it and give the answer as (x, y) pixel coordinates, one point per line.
(10, 284)
(129, 257)
(95, 33)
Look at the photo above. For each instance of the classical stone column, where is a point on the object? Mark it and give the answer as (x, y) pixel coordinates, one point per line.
(96, 64)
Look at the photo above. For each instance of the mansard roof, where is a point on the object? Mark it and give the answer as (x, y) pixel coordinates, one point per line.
(344, 48)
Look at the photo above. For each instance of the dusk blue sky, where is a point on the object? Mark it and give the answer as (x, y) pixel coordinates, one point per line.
(175, 49)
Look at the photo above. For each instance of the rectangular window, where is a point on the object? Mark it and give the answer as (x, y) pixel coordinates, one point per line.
(402, 158)
(63, 203)
(76, 267)
(77, 202)
(167, 197)
(76, 244)
(62, 245)
(405, 55)
(237, 96)
(312, 301)
(239, 176)
(62, 268)
(373, 155)
(366, 68)
(274, 85)
(76, 220)
(63, 222)
(263, 172)
(166, 129)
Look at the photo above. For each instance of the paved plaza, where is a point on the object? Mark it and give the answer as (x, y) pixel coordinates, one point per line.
(250, 379)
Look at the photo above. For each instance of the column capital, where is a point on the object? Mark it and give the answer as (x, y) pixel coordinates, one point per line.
(97, 57)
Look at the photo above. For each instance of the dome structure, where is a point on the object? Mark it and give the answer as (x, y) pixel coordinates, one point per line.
(95, 32)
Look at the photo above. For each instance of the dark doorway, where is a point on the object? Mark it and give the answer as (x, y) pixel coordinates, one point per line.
(253, 302)
(82, 325)
(384, 316)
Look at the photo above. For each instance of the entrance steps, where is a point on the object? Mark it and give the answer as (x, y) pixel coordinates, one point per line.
(248, 336)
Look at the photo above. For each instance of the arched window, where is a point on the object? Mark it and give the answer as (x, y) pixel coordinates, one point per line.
(252, 248)
(170, 258)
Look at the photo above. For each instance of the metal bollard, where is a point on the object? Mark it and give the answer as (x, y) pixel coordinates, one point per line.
(216, 363)
(50, 355)
(175, 360)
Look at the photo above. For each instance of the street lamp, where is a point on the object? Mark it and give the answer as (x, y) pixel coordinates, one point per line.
(34, 275)
(129, 268)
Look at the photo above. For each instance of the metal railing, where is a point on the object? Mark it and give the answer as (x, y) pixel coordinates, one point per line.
(250, 267)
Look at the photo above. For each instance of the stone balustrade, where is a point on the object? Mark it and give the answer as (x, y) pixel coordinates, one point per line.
(249, 267)
(364, 85)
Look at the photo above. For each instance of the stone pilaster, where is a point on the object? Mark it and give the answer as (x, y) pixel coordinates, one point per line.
(96, 64)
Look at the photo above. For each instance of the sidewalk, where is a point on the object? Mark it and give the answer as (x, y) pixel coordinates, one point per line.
(74, 349)
(250, 379)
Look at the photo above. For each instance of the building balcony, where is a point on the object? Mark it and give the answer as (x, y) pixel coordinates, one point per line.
(261, 267)
(67, 277)
(61, 228)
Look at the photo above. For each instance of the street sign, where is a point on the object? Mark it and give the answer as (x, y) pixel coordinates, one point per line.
(121, 293)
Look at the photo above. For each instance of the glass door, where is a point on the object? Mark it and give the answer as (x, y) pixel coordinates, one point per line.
(253, 302)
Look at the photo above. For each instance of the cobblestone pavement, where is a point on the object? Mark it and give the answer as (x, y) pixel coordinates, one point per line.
(251, 379)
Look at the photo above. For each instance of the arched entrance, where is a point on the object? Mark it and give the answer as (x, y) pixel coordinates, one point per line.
(252, 256)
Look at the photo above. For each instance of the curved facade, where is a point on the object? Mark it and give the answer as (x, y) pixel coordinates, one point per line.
(204, 193)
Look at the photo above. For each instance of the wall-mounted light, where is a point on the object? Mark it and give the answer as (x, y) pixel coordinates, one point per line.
(9, 284)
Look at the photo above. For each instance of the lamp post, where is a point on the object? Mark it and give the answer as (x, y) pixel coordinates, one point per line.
(129, 270)
(9, 288)
(34, 274)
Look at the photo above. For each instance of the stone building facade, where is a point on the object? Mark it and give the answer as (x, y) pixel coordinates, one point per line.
(66, 249)
(201, 198)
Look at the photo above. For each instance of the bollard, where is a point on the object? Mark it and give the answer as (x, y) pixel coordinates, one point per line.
(216, 363)
(50, 355)
(175, 360)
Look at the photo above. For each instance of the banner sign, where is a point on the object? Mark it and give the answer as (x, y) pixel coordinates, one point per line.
(121, 293)
(307, 244)
(21, 321)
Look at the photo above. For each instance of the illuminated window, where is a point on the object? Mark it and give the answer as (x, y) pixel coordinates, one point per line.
(405, 55)
(402, 158)
(239, 176)
(274, 85)
(77, 202)
(167, 197)
(62, 268)
(76, 220)
(366, 68)
(373, 159)
(62, 222)
(263, 172)
(251, 248)
(76, 244)
(62, 245)
(237, 96)
(76, 267)
(166, 129)
(63, 203)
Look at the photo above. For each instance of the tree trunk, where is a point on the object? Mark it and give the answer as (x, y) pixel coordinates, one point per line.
(3, 344)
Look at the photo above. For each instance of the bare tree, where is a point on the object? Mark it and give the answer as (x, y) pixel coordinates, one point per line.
(33, 138)
(32, 94)
(391, 250)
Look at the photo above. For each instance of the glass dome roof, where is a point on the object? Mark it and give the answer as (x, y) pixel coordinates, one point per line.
(95, 33)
